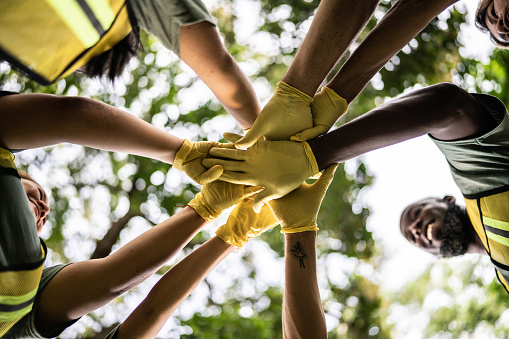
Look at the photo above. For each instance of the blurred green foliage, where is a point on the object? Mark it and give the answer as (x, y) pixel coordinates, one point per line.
(80, 178)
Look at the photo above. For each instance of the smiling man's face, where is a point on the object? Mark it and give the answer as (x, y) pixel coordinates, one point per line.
(438, 226)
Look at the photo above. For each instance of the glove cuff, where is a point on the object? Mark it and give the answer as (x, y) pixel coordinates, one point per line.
(289, 89)
(199, 205)
(229, 237)
(182, 154)
(311, 157)
(299, 229)
(337, 100)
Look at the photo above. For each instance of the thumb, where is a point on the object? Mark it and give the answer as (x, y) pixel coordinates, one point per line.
(326, 177)
(310, 133)
(261, 199)
(209, 175)
(252, 190)
(251, 137)
(232, 137)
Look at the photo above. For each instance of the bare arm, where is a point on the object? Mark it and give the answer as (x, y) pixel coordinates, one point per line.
(202, 50)
(303, 315)
(37, 120)
(336, 24)
(400, 25)
(166, 296)
(85, 286)
(445, 111)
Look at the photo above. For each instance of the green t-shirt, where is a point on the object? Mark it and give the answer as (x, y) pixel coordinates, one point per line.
(19, 242)
(163, 18)
(481, 164)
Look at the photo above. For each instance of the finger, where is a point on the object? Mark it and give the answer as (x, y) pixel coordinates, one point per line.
(210, 175)
(232, 137)
(310, 133)
(262, 198)
(226, 153)
(236, 178)
(228, 165)
(326, 177)
(251, 137)
(252, 190)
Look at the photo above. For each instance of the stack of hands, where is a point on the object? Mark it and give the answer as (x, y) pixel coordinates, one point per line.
(263, 172)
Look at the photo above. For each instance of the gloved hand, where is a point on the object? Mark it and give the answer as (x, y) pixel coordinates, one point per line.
(244, 224)
(279, 166)
(327, 108)
(297, 211)
(188, 160)
(286, 114)
(217, 196)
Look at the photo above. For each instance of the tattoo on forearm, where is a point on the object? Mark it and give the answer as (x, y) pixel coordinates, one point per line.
(299, 254)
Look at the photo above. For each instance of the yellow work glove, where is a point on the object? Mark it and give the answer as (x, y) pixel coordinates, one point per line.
(297, 211)
(279, 166)
(327, 108)
(244, 224)
(287, 113)
(217, 196)
(188, 160)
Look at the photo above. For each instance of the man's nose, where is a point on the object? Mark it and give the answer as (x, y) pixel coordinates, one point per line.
(416, 229)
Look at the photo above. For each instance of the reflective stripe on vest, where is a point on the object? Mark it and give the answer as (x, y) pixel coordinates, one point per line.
(490, 217)
(50, 39)
(18, 289)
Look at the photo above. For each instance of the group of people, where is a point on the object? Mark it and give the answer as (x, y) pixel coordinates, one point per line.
(261, 173)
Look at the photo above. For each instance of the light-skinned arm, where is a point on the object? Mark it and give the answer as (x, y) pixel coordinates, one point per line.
(202, 50)
(85, 286)
(37, 120)
(242, 225)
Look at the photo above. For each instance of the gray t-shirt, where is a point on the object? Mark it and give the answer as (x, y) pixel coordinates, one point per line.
(481, 164)
(25, 328)
(163, 18)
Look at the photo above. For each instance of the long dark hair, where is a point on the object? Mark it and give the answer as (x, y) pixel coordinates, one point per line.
(112, 62)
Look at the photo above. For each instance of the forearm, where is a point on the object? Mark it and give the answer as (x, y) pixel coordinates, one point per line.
(85, 286)
(444, 111)
(175, 286)
(401, 24)
(335, 25)
(142, 256)
(303, 315)
(202, 50)
(37, 120)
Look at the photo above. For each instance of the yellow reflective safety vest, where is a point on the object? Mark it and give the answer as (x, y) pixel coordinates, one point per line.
(50, 39)
(18, 288)
(489, 214)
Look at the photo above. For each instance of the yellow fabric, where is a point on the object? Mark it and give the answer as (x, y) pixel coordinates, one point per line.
(17, 292)
(287, 113)
(244, 224)
(217, 196)
(298, 210)
(6, 159)
(49, 39)
(490, 217)
(279, 166)
(189, 160)
(327, 108)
